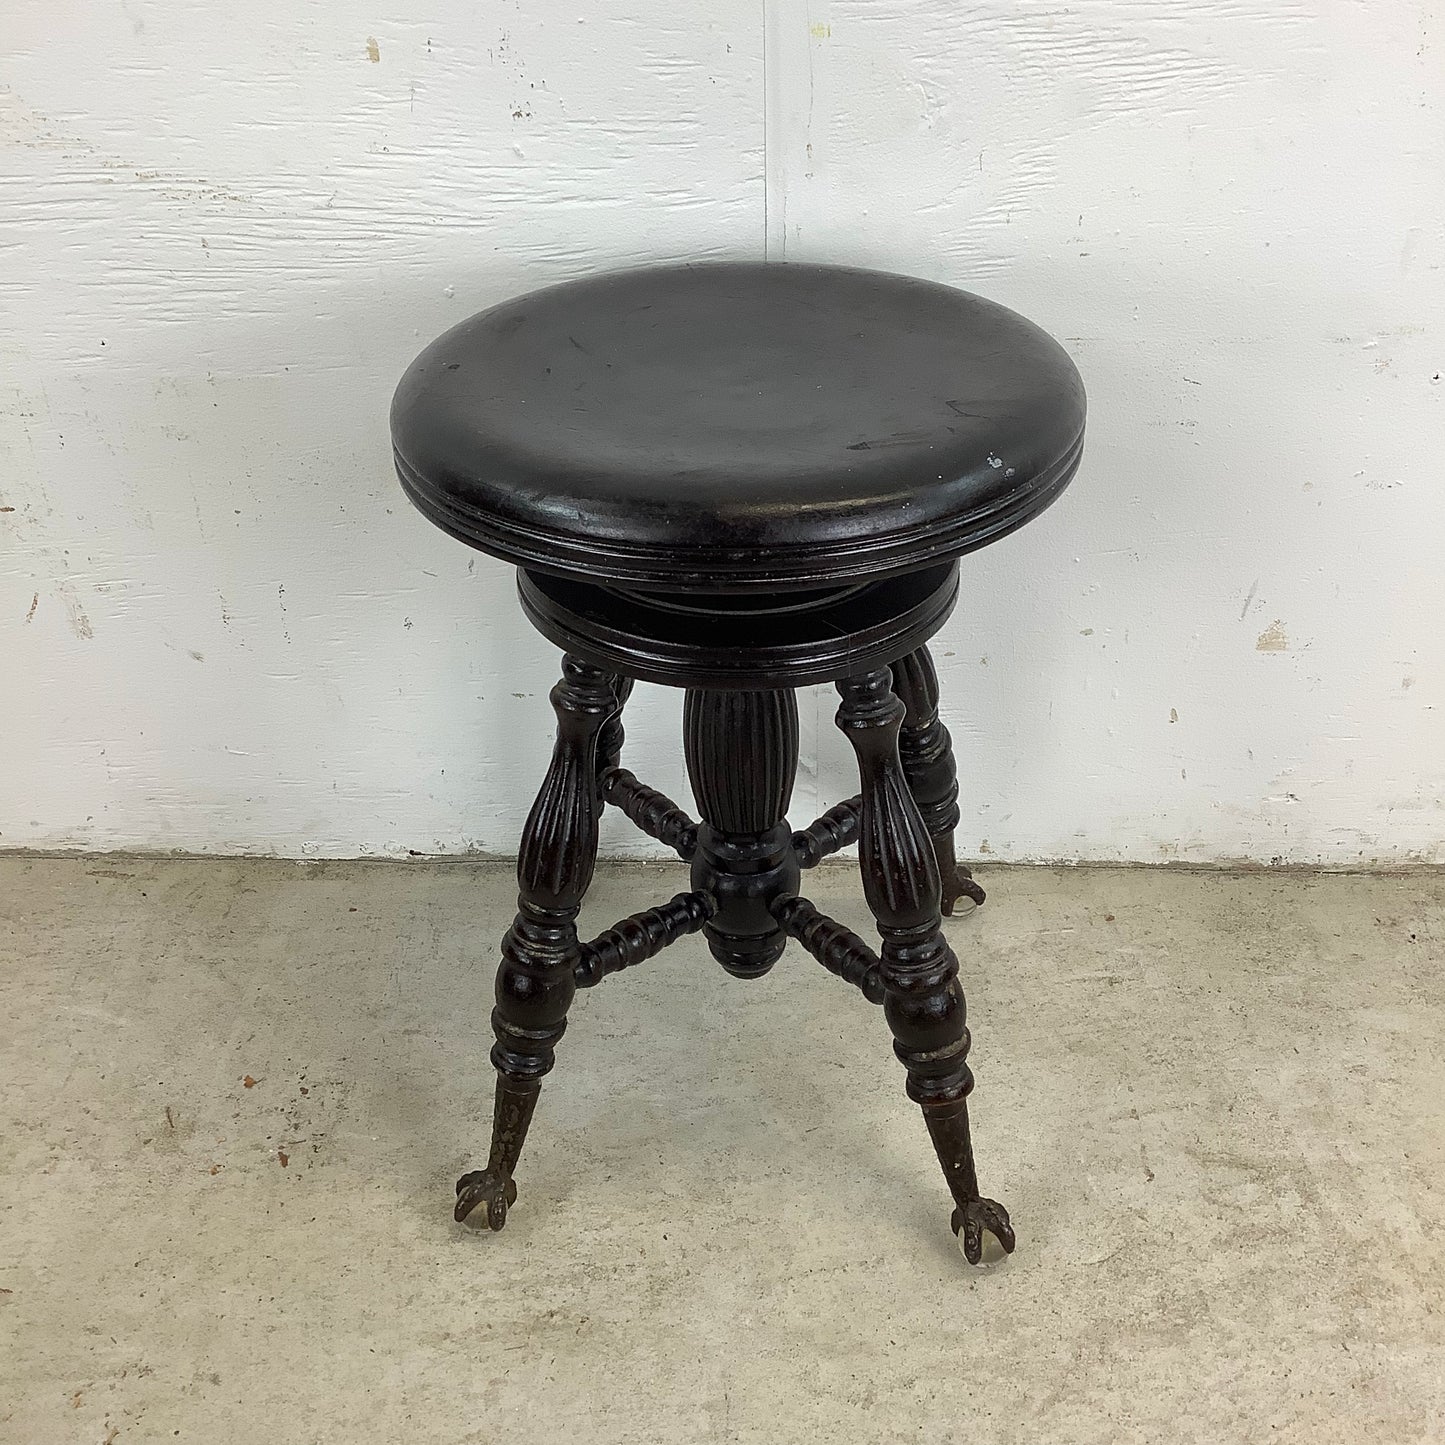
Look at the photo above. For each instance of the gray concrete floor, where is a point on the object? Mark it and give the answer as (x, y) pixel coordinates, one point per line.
(236, 1096)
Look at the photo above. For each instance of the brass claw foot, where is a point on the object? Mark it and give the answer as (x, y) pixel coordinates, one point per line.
(485, 1185)
(977, 1215)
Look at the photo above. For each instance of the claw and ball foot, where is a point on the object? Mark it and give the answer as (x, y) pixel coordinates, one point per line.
(955, 880)
(511, 1117)
(485, 1186)
(970, 1222)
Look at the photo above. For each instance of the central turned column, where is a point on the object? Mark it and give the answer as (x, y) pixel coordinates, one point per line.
(742, 755)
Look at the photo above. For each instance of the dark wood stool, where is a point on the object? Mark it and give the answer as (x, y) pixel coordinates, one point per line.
(741, 480)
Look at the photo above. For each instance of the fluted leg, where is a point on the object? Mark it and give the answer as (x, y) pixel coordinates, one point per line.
(742, 755)
(923, 1002)
(926, 751)
(610, 742)
(537, 976)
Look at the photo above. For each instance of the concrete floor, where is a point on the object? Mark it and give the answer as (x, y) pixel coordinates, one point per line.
(236, 1096)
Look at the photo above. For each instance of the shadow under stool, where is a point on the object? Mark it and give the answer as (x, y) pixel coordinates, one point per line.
(739, 480)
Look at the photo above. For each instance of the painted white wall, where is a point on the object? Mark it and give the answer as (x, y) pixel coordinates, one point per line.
(224, 232)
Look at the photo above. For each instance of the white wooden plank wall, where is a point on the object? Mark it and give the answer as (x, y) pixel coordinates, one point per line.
(224, 232)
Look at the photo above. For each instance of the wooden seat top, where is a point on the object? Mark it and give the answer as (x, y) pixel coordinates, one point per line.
(735, 426)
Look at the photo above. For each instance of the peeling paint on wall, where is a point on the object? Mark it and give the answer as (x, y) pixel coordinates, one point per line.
(1273, 638)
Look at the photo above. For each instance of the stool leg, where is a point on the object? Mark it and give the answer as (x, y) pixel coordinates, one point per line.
(927, 753)
(923, 1000)
(609, 743)
(536, 979)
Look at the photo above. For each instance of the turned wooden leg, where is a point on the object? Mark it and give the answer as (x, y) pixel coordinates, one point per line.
(923, 1001)
(609, 741)
(536, 979)
(742, 756)
(927, 754)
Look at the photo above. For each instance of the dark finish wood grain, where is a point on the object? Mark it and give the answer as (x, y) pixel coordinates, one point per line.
(926, 751)
(537, 976)
(739, 480)
(642, 936)
(655, 813)
(738, 426)
(698, 640)
(836, 947)
(829, 832)
(923, 1000)
(612, 737)
(742, 755)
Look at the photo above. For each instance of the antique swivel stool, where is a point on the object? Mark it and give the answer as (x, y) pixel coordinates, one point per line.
(741, 480)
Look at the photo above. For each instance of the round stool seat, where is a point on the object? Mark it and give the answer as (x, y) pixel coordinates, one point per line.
(738, 427)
